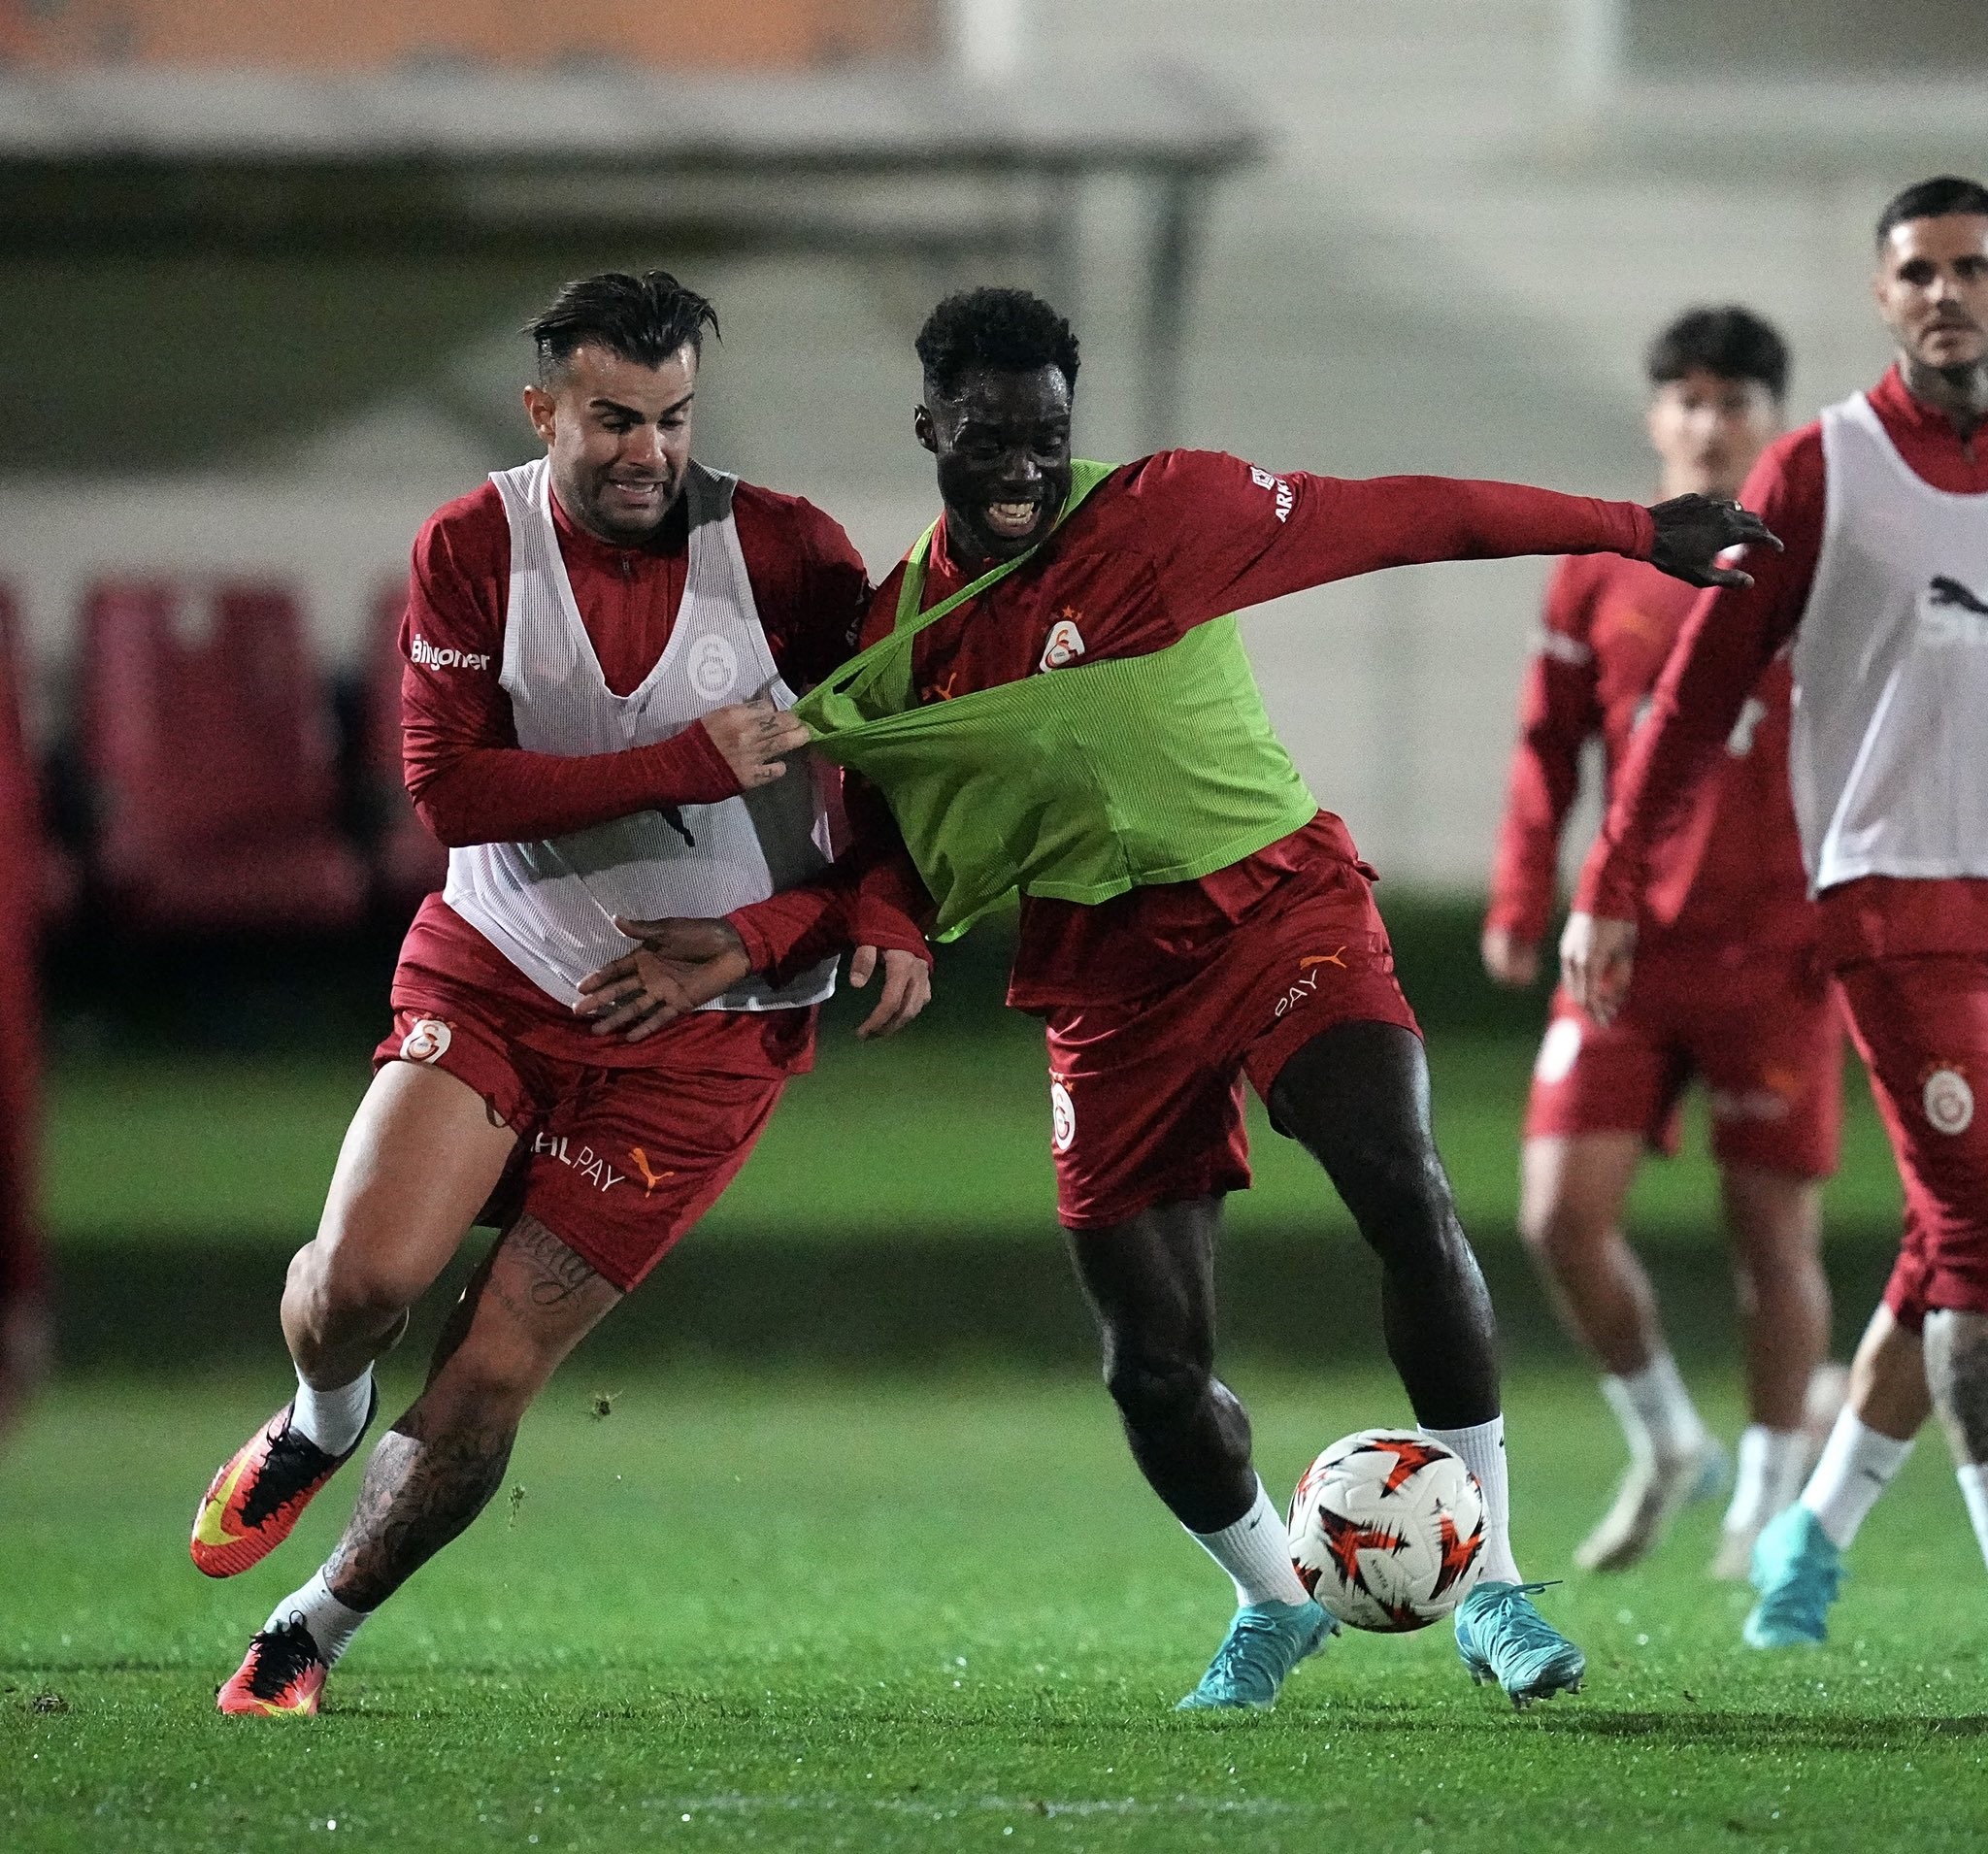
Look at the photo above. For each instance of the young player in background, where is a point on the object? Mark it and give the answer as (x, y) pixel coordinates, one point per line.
(1883, 589)
(600, 646)
(1053, 698)
(1727, 990)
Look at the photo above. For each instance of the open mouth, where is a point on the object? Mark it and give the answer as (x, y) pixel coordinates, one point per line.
(1012, 520)
(639, 492)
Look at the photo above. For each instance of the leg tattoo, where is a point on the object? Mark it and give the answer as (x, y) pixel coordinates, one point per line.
(420, 1490)
(528, 1305)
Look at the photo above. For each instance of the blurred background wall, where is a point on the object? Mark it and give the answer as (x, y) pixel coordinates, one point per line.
(1464, 218)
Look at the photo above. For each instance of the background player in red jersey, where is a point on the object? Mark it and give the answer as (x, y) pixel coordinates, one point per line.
(1728, 989)
(1273, 965)
(579, 633)
(1883, 589)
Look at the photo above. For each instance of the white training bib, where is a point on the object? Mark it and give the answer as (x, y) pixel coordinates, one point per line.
(1889, 753)
(548, 906)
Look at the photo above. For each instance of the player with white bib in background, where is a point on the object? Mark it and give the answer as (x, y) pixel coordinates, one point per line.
(602, 645)
(1727, 990)
(1883, 508)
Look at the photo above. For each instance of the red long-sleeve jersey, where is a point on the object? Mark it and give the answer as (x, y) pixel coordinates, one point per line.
(1728, 640)
(1162, 545)
(1732, 868)
(471, 780)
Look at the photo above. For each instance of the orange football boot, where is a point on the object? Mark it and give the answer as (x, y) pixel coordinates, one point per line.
(281, 1674)
(251, 1503)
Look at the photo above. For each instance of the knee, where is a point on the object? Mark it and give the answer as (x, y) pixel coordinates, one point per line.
(1557, 1233)
(1154, 1389)
(330, 1287)
(493, 1377)
(1401, 1199)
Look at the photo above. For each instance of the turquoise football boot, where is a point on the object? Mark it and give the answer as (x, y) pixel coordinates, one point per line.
(1502, 1637)
(1265, 1642)
(1798, 1571)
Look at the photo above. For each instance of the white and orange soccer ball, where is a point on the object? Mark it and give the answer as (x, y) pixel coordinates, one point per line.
(1387, 1530)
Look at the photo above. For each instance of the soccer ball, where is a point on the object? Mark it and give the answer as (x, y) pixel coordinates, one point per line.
(1387, 1530)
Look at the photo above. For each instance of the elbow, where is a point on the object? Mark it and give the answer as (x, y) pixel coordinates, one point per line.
(445, 824)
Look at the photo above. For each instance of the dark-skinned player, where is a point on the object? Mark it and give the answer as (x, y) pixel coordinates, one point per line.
(1053, 698)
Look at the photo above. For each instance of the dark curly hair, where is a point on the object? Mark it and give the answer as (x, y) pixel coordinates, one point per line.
(1732, 343)
(644, 319)
(1010, 331)
(1935, 198)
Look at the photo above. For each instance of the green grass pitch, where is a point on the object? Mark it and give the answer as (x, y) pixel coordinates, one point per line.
(814, 1613)
(240, 1150)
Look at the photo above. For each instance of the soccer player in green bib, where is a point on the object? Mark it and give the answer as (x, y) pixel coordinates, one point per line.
(1052, 697)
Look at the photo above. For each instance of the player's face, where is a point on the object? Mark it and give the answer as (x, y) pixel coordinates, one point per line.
(1003, 446)
(1709, 430)
(619, 437)
(1933, 289)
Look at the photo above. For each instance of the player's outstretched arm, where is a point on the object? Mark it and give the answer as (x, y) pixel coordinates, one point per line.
(1693, 531)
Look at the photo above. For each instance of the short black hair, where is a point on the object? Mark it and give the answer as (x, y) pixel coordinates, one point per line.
(644, 319)
(1008, 331)
(1935, 198)
(1731, 342)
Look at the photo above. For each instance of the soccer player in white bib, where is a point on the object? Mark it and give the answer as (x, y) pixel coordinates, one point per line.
(1883, 589)
(600, 646)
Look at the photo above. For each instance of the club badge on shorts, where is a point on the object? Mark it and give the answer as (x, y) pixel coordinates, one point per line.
(1949, 1101)
(1062, 1116)
(426, 1041)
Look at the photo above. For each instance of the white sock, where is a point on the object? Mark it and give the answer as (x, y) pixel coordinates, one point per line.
(333, 1419)
(1769, 1475)
(1655, 1410)
(1256, 1553)
(1483, 1448)
(1857, 1465)
(331, 1623)
(1974, 1481)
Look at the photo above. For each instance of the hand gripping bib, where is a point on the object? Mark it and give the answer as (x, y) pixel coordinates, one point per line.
(1076, 783)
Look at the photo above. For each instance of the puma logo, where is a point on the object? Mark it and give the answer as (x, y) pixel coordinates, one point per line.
(1324, 959)
(1950, 613)
(650, 1179)
(1945, 591)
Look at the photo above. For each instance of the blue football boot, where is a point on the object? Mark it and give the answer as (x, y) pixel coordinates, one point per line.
(1798, 1571)
(1502, 1637)
(1265, 1642)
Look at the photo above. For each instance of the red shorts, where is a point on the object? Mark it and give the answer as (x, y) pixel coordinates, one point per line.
(616, 1162)
(1921, 1025)
(1760, 1028)
(1145, 1096)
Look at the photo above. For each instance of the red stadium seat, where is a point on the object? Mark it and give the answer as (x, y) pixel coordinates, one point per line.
(408, 862)
(206, 735)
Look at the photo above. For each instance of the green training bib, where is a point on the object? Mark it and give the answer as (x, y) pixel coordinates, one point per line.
(1076, 783)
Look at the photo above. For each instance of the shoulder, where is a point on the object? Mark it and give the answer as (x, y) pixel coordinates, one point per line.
(1161, 491)
(471, 534)
(772, 522)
